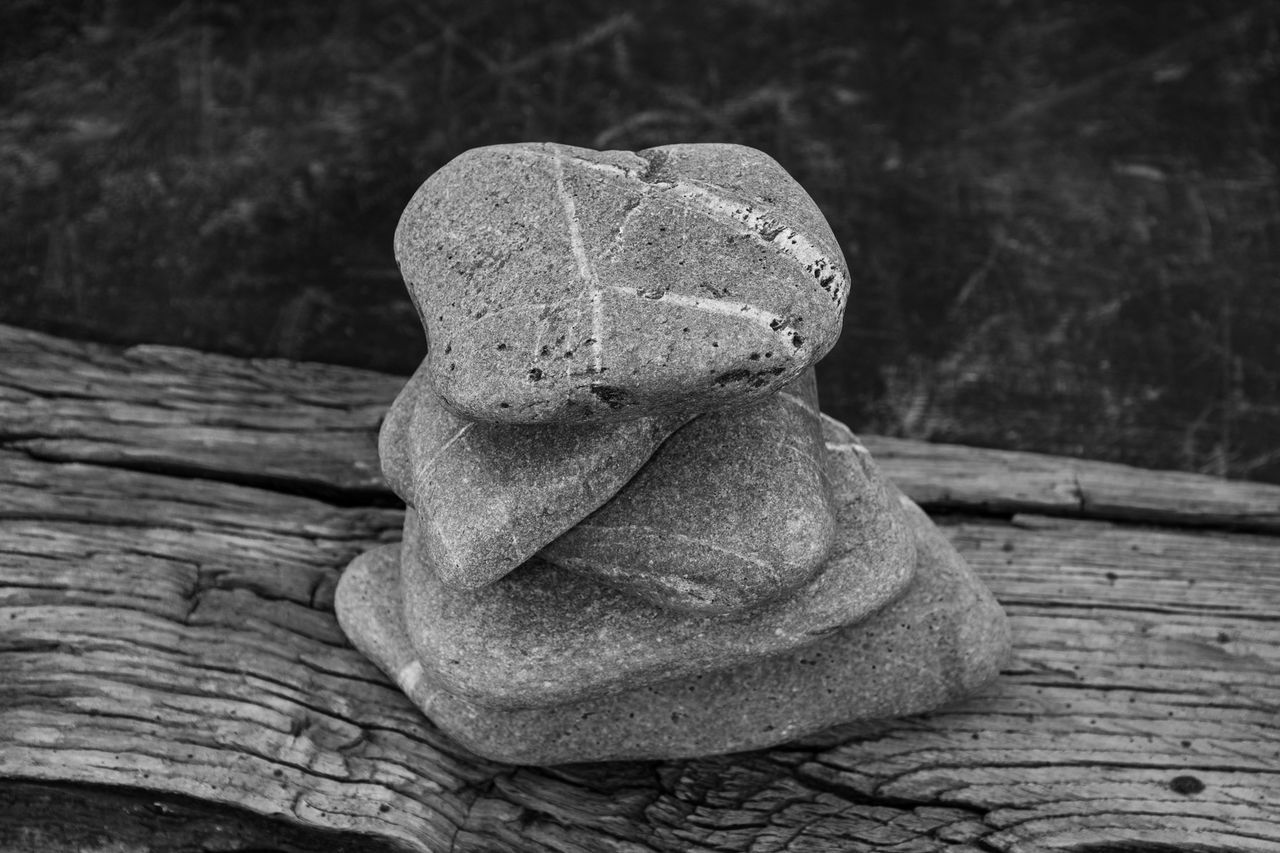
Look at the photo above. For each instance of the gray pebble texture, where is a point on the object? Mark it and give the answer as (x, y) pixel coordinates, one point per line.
(943, 640)
(488, 496)
(544, 635)
(733, 511)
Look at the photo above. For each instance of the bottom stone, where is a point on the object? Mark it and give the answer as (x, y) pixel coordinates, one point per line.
(945, 638)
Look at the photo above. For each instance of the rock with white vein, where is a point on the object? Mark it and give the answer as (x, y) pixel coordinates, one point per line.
(563, 284)
(734, 510)
(489, 495)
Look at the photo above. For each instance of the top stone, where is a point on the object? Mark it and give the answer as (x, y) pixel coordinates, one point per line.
(563, 284)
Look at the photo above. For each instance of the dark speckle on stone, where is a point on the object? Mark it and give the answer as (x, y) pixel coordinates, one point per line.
(755, 356)
(796, 340)
(610, 395)
(545, 351)
(1224, 637)
(501, 347)
(535, 374)
(761, 378)
(1111, 577)
(1186, 785)
(733, 376)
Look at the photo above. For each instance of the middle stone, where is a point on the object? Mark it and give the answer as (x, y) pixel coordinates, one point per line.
(734, 510)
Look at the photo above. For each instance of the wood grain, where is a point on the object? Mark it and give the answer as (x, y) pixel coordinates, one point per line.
(311, 428)
(172, 524)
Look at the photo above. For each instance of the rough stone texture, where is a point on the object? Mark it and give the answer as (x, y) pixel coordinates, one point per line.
(734, 510)
(946, 638)
(490, 495)
(563, 284)
(544, 635)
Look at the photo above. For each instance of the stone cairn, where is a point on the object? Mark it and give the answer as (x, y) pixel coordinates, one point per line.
(630, 533)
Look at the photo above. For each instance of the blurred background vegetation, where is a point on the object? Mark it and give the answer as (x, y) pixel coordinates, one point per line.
(1062, 218)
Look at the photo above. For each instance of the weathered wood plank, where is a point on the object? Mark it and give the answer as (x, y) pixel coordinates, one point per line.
(284, 424)
(1007, 481)
(146, 658)
(168, 632)
(307, 428)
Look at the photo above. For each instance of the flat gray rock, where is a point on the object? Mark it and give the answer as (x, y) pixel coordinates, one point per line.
(543, 635)
(564, 284)
(734, 510)
(943, 640)
(489, 495)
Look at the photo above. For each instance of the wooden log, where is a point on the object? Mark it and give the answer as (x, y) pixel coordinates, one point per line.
(1007, 481)
(310, 429)
(172, 525)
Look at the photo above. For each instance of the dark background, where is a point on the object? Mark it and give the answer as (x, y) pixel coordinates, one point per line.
(1062, 218)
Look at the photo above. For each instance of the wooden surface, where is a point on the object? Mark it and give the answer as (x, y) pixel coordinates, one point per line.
(172, 677)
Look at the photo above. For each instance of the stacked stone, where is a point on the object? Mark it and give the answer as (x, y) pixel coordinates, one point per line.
(630, 533)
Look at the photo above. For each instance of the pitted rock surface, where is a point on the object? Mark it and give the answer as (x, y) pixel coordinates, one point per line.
(543, 635)
(733, 510)
(489, 495)
(565, 284)
(943, 640)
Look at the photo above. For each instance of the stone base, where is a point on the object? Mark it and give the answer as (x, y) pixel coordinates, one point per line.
(945, 638)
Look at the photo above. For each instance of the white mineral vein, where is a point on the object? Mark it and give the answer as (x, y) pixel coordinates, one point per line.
(784, 239)
(803, 405)
(585, 270)
(701, 198)
(778, 326)
(788, 241)
(848, 446)
(425, 467)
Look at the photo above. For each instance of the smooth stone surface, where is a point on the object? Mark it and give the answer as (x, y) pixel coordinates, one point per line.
(562, 284)
(488, 496)
(734, 510)
(943, 640)
(544, 635)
